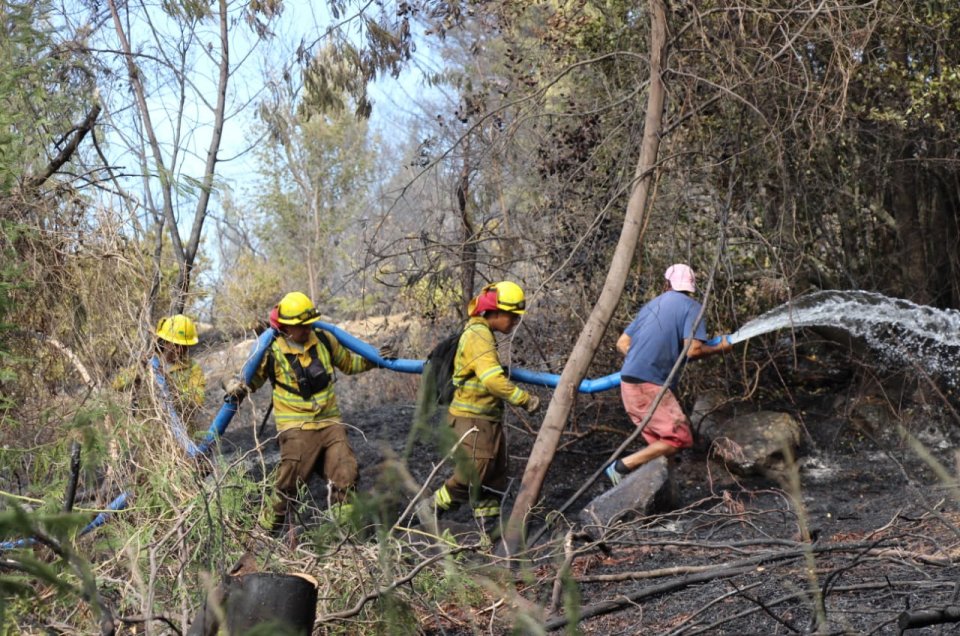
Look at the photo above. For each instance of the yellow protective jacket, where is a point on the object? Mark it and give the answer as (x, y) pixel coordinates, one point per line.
(187, 383)
(290, 410)
(481, 383)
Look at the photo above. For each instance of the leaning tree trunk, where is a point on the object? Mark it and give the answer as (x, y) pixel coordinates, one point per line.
(576, 368)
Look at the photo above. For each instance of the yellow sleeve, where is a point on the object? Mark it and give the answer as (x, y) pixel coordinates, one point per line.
(480, 356)
(196, 389)
(344, 359)
(125, 379)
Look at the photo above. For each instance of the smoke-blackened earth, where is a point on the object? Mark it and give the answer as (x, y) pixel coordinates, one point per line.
(869, 531)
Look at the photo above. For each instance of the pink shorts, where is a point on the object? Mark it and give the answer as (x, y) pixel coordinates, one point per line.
(669, 423)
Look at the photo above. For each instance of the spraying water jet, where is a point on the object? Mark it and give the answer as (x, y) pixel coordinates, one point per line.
(902, 332)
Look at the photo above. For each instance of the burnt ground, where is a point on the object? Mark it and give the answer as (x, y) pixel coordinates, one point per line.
(868, 532)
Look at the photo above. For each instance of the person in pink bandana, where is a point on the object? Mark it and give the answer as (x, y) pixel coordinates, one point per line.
(652, 343)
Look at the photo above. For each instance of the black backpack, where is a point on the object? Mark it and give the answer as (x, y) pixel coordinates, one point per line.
(440, 365)
(436, 382)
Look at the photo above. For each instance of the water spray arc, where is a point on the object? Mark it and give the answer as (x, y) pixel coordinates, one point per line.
(898, 328)
(900, 331)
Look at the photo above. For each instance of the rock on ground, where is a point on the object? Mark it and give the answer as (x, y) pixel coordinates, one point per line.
(648, 488)
(755, 443)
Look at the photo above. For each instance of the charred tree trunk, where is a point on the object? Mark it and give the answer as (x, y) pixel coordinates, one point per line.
(258, 600)
(283, 600)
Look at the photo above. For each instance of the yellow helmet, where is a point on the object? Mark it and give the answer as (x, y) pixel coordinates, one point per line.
(510, 297)
(505, 296)
(177, 329)
(296, 309)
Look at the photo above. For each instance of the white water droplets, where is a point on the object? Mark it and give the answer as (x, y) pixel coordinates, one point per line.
(903, 332)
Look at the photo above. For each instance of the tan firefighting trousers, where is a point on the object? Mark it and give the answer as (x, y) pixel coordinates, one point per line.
(302, 452)
(481, 461)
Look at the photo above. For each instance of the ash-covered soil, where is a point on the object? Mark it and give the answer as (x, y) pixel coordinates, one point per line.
(868, 530)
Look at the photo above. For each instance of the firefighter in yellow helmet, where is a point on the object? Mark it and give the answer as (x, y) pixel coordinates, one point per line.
(175, 336)
(300, 364)
(481, 388)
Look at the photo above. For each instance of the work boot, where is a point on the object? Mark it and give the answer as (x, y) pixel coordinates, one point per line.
(427, 514)
(489, 528)
(272, 522)
(616, 472)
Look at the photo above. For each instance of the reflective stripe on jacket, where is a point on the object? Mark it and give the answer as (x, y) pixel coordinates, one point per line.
(481, 383)
(290, 410)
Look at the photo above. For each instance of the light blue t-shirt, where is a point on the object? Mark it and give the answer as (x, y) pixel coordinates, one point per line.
(657, 335)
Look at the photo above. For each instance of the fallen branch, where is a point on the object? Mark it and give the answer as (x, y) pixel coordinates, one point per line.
(927, 617)
(917, 556)
(67, 353)
(696, 574)
(140, 620)
(562, 572)
(714, 627)
(613, 605)
(697, 569)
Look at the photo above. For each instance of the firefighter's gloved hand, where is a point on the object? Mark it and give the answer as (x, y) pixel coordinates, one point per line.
(533, 404)
(235, 390)
(388, 352)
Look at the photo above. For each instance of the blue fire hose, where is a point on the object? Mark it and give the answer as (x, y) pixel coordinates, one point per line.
(732, 338)
(117, 504)
(173, 418)
(400, 365)
(416, 366)
(230, 407)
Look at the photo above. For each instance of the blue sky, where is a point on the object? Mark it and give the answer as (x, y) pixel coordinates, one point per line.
(255, 62)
